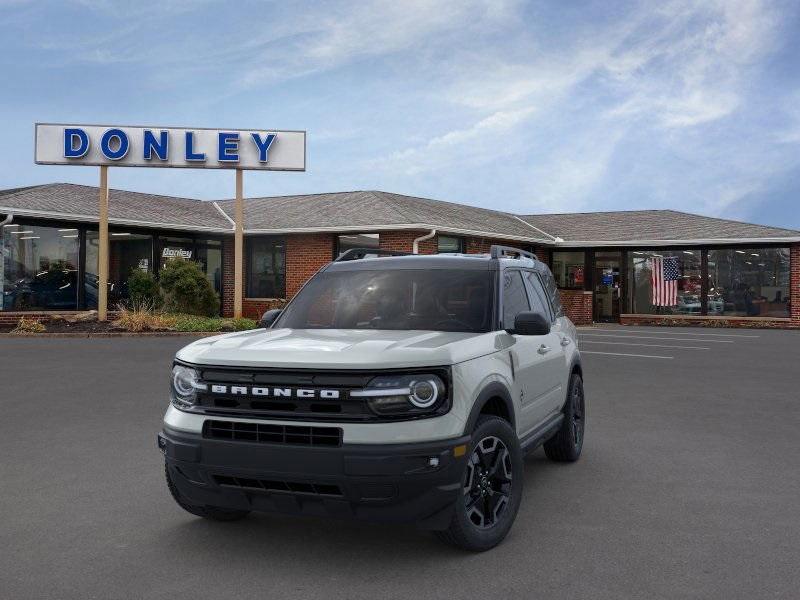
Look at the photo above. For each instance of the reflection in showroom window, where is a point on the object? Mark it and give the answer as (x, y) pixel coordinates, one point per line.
(749, 282)
(666, 282)
(568, 269)
(39, 270)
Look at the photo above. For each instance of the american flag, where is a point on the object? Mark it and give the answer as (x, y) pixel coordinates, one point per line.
(664, 277)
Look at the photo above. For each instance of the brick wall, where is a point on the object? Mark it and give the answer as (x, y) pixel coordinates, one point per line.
(254, 309)
(577, 306)
(403, 241)
(306, 254)
(709, 321)
(227, 276)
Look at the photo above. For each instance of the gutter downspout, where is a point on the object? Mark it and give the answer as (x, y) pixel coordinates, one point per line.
(556, 239)
(7, 220)
(427, 236)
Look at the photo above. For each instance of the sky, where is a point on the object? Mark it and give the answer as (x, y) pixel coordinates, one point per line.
(528, 107)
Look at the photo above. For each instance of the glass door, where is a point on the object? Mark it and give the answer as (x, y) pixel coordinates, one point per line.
(607, 285)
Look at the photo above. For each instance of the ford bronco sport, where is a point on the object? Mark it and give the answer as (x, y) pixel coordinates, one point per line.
(391, 388)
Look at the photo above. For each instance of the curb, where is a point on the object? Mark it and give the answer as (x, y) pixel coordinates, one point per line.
(107, 334)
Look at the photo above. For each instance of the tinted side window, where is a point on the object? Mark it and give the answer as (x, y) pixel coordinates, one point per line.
(551, 289)
(538, 299)
(515, 298)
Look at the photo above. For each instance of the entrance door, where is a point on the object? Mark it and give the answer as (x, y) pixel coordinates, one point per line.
(607, 286)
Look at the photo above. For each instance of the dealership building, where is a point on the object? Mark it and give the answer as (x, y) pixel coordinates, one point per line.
(610, 266)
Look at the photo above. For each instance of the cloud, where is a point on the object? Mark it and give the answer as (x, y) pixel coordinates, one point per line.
(532, 106)
(339, 36)
(466, 146)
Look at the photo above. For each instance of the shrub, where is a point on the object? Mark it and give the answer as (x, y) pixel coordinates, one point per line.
(143, 289)
(195, 323)
(186, 289)
(243, 324)
(26, 325)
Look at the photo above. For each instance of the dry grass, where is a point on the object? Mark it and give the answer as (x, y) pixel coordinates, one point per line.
(142, 317)
(26, 325)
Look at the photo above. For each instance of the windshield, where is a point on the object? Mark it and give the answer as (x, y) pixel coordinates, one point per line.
(439, 300)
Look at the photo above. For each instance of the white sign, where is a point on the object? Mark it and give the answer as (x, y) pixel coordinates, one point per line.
(176, 253)
(122, 146)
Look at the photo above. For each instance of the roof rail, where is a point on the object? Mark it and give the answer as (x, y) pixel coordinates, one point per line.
(497, 251)
(359, 253)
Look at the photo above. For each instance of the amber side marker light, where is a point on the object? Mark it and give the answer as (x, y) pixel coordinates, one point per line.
(460, 450)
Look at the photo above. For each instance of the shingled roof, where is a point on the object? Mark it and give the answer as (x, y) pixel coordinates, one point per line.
(363, 211)
(356, 211)
(644, 226)
(79, 202)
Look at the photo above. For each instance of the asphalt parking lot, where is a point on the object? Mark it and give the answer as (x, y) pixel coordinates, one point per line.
(688, 487)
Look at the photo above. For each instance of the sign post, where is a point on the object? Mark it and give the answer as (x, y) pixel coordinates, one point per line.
(176, 147)
(238, 244)
(102, 254)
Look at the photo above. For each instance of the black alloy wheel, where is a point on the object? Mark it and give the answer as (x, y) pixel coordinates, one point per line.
(491, 489)
(487, 485)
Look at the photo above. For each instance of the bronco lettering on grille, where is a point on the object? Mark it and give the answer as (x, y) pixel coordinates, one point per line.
(274, 392)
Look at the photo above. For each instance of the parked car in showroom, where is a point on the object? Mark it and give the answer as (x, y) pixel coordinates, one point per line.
(396, 388)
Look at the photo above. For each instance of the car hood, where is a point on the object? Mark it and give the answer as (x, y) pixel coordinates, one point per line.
(339, 348)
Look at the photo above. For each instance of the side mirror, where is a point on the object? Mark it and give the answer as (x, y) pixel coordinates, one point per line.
(269, 317)
(531, 323)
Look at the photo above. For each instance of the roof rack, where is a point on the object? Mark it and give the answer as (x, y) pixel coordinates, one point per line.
(497, 251)
(359, 253)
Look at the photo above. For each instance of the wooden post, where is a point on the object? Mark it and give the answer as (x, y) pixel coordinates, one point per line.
(238, 254)
(102, 255)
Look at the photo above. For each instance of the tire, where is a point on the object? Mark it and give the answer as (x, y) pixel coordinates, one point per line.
(567, 443)
(215, 513)
(486, 510)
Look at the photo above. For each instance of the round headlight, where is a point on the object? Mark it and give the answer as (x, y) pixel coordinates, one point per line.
(185, 383)
(423, 393)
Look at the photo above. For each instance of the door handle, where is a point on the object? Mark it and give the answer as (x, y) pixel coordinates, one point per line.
(543, 349)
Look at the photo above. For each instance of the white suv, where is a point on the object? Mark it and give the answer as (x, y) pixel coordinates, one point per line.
(391, 388)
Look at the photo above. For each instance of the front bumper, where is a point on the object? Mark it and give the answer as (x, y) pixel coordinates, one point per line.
(401, 483)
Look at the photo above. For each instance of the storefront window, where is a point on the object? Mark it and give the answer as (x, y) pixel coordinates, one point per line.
(568, 269)
(39, 268)
(128, 252)
(447, 244)
(266, 267)
(666, 282)
(357, 240)
(209, 255)
(747, 282)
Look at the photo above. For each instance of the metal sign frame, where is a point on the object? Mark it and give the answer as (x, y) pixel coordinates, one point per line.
(219, 163)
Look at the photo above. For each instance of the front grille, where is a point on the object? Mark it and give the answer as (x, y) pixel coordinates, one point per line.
(268, 433)
(303, 395)
(293, 407)
(269, 485)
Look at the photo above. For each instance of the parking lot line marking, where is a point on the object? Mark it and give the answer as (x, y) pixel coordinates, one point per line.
(648, 345)
(735, 335)
(651, 337)
(624, 354)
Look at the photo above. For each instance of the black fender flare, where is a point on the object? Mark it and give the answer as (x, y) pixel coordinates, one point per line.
(495, 389)
(574, 367)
